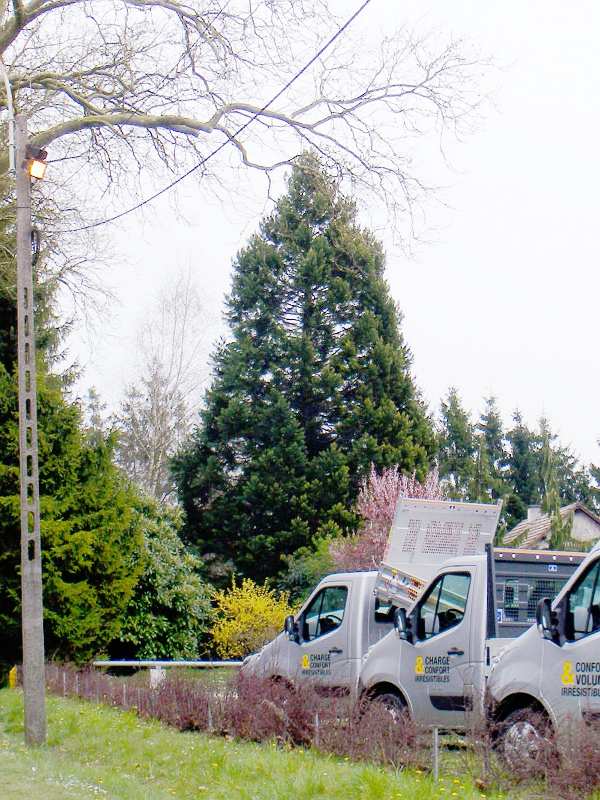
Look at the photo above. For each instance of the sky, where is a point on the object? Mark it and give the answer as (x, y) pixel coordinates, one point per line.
(504, 301)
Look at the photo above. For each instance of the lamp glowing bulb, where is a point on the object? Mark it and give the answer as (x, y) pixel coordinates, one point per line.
(37, 169)
(36, 161)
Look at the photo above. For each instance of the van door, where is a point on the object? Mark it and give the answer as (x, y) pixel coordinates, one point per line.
(322, 654)
(435, 671)
(570, 680)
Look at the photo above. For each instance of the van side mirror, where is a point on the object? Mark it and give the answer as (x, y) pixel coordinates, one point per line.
(402, 625)
(546, 620)
(291, 628)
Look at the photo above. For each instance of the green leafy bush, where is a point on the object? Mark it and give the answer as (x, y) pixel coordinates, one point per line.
(170, 607)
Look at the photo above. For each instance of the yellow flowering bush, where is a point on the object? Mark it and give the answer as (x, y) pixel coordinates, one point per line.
(246, 617)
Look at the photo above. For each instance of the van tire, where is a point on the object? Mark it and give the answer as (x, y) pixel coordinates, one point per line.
(393, 704)
(525, 741)
(283, 689)
(398, 732)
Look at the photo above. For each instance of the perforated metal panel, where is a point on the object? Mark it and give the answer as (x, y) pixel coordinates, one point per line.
(425, 533)
(410, 540)
(442, 537)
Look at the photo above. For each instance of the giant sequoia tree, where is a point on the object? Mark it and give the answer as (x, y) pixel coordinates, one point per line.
(312, 388)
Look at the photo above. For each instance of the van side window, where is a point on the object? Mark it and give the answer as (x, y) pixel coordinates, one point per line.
(444, 605)
(325, 612)
(583, 609)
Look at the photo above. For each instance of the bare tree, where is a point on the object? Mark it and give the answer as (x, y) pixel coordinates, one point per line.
(171, 366)
(129, 84)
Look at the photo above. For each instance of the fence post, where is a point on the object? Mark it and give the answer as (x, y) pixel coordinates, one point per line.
(316, 730)
(436, 764)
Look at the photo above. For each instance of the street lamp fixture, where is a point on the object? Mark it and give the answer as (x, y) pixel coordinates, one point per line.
(36, 161)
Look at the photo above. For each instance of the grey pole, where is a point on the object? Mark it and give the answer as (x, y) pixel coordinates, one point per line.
(34, 680)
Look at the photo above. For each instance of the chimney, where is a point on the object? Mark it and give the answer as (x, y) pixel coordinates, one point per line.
(533, 513)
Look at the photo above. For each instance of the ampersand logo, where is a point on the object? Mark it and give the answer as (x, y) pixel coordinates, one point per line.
(567, 676)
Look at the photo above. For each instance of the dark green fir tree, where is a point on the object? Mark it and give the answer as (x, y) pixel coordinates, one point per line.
(523, 471)
(89, 532)
(312, 387)
(593, 487)
(458, 448)
(492, 457)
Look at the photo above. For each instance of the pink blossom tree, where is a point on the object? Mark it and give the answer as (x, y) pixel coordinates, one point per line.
(376, 503)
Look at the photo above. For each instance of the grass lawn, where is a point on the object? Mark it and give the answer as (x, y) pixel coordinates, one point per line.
(95, 751)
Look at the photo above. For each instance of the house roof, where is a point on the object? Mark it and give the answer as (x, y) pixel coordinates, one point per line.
(533, 532)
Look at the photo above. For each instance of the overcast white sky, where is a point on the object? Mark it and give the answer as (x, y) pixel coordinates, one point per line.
(506, 300)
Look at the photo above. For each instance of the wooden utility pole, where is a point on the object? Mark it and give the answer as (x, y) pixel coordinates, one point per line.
(34, 679)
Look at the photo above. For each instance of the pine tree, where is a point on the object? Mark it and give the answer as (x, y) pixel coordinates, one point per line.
(523, 471)
(542, 471)
(457, 448)
(313, 386)
(89, 535)
(488, 484)
(593, 487)
(480, 487)
(490, 427)
(560, 530)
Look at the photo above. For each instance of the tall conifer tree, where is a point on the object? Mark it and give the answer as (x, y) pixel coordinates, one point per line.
(457, 448)
(493, 457)
(87, 519)
(312, 388)
(524, 470)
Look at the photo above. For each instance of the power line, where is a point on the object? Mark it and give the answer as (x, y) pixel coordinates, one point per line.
(218, 149)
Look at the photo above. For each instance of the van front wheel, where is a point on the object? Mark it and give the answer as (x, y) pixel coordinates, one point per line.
(386, 724)
(394, 706)
(525, 740)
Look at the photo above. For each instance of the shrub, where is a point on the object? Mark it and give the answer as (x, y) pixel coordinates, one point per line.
(254, 708)
(170, 607)
(262, 710)
(307, 565)
(246, 617)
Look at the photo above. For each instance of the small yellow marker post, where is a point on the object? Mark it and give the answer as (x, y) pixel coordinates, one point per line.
(13, 682)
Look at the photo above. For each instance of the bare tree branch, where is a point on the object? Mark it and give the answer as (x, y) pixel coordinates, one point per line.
(127, 92)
